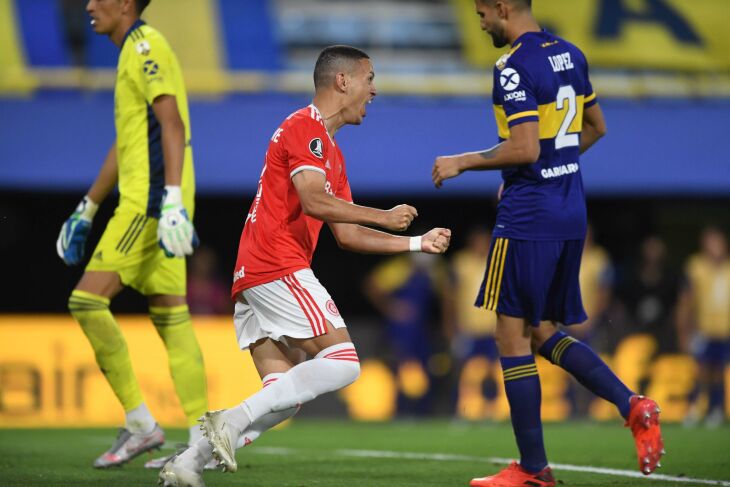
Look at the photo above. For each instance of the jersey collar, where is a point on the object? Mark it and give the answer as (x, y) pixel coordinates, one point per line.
(137, 24)
(321, 120)
(529, 33)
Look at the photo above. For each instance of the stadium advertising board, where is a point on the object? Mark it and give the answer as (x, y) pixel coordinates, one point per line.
(640, 34)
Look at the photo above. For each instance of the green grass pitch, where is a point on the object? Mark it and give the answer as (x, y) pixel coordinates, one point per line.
(312, 453)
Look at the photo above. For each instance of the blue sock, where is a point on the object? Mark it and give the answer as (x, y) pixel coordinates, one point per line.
(588, 368)
(717, 396)
(522, 385)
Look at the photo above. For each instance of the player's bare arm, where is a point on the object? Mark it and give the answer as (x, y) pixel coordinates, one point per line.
(317, 203)
(523, 147)
(107, 177)
(357, 238)
(173, 137)
(594, 127)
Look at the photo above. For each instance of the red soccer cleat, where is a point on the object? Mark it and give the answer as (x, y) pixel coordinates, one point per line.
(644, 423)
(516, 476)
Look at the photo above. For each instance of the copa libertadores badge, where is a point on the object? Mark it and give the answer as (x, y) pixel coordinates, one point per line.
(315, 146)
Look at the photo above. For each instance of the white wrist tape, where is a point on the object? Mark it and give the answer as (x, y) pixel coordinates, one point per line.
(87, 208)
(173, 196)
(414, 244)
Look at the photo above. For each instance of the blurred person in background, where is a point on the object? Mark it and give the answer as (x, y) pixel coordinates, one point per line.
(547, 115)
(406, 289)
(145, 243)
(75, 24)
(649, 294)
(472, 328)
(704, 324)
(208, 294)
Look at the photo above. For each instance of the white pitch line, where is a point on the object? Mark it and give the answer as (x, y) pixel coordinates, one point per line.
(447, 457)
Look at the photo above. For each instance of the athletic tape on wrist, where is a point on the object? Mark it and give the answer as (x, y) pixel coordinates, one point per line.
(414, 244)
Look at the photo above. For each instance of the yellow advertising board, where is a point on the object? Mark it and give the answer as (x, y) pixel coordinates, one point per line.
(640, 34)
(48, 375)
(49, 378)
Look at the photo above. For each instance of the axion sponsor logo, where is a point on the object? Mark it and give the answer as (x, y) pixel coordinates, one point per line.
(516, 96)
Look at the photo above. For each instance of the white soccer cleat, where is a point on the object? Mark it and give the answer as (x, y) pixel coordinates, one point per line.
(176, 474)
(223, 437)
(128, 446)
(158, 463)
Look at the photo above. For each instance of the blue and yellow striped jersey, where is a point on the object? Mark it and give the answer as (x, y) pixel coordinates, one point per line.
(147, 69)
(543, 79)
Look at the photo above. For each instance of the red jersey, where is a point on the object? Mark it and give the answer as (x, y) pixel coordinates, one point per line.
(278, 238)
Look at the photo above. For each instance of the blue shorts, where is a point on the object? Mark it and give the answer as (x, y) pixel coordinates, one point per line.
(535, 280)
(714, 352)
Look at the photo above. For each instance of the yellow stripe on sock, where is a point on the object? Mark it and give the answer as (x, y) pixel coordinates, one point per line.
(519, 368)
(521, 376)
(524, 373)
(560, 348)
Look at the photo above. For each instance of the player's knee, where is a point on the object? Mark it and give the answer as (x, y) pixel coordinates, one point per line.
(80, 302)
(346, 370)
(352, 372)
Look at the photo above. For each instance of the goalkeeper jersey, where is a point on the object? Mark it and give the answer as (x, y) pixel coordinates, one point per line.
(147, 68)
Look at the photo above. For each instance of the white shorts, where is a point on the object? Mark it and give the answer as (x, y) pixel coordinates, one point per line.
(295, 306)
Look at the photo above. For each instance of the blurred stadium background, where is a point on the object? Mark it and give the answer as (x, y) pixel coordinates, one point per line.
(661, 70)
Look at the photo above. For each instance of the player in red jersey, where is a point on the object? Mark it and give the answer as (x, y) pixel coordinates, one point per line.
(280, 304)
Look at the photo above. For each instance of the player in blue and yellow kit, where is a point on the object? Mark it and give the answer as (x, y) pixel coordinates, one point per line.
(145, 242)
(547, 115)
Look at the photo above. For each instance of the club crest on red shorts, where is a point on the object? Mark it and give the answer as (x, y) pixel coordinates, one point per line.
(332, 308)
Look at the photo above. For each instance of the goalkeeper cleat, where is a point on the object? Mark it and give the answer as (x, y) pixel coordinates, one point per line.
(128, 446)
(644, 423)
(223, 437)
(176, 474)
(516, 476)
(158, 463)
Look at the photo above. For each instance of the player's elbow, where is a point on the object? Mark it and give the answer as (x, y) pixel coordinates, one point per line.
(314, 207)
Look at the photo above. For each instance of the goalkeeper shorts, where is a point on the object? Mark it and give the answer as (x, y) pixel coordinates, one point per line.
(129, 247)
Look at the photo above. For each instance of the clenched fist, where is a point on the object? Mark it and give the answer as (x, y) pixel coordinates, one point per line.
(399, 218)
(445, 167)
(436, 241)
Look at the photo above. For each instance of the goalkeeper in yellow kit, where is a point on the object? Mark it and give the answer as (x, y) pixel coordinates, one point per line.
(145, 243)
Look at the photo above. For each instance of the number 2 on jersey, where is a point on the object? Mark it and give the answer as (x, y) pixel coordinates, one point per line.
(566, 94)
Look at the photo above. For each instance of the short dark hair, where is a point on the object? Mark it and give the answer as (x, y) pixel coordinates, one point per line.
(141, 5)
(331, 59)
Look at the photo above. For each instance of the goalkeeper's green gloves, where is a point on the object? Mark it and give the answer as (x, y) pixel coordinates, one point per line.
(71, 241)
(175, 231)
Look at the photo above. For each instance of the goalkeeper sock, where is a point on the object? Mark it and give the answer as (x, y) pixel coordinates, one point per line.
(175, 327)
(139, 420)
(522, 387)
(588, 368)
(92, 313)
(331, 369)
